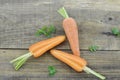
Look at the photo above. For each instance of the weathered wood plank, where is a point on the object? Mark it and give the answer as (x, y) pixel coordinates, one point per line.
(90, 33)
(92, 4)
(19, 20)
(105, 62)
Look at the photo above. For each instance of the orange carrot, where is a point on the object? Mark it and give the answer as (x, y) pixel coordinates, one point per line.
(37, 50)
(71, 30)
(41, 47)
(77, 63)
(69, 56)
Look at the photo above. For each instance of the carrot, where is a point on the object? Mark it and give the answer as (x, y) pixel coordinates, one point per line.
(41, 47)
(71, 30)
(69, 59)
(77, 63)
(76, 59)
(37, 49)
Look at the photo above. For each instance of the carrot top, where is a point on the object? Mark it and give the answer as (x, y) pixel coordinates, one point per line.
(63, 12)
(18, 62)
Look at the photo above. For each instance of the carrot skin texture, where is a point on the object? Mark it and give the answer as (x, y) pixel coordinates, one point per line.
(41, 47)
(72, 57)
(71, 30)
(35, 46)
(77, 64)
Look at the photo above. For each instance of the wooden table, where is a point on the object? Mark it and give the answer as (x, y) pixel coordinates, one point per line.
(19, 20)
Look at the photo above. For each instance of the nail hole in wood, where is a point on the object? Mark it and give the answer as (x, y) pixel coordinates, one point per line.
(110, 18)
(4, 51)
(101, 21)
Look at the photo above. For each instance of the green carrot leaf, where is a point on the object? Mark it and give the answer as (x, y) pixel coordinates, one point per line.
(46, 30)
(51, 70)
(115, 31)
(93, 48)
(51, 29)
(38, 33)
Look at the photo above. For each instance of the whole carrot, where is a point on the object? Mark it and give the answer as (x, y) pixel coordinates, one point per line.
(37, 49)
(77, 63)
(71, 30)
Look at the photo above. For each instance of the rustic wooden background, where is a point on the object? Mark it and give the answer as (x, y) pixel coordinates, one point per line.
(19, 20)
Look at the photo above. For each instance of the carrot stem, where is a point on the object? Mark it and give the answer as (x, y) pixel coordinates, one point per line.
(18, 62)
(63, 12)
(88, 70)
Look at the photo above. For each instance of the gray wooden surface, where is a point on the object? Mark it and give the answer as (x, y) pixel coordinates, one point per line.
(105, 62)
(19, 20)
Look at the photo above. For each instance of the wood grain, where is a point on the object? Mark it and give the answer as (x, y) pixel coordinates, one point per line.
(19, 21)
(105, 62)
